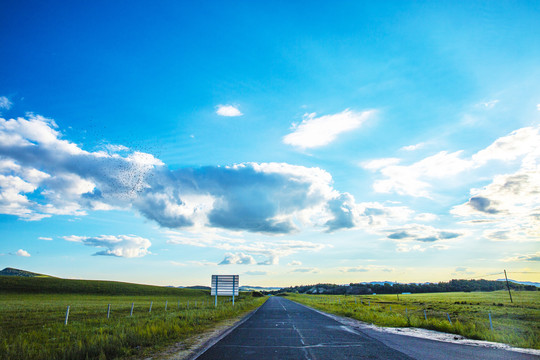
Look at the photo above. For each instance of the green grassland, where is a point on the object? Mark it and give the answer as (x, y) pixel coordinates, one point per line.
(516, 324)
(33, 312)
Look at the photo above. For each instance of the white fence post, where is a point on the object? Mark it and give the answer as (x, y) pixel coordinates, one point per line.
(67, 316)
(165, 305)
(490, 323)
(132, 305)
(450, 321)
(425, 315)
(108, 310)
(151, 303)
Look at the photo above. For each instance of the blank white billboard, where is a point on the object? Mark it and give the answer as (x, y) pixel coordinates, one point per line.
(225, 285)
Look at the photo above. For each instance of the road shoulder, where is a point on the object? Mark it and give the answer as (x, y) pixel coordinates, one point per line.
(194, 346)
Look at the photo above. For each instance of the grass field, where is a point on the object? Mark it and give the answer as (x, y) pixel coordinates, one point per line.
(516, 324)
(32, 325)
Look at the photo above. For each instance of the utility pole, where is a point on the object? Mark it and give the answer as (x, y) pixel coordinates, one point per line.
(508, 286)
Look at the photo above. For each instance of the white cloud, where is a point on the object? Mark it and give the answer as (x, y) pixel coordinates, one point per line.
(313, 270)
(228, 110)
(45, 238)
(413, 147)
(377, 164)
(295, 263)
(416, 179)
(509, 148)
(315, 131)
(43, 175)
(509, 205)
(128, 246)
(22, 252)
(527, 257)
(238, 259)
(263, 253)
(5, 103)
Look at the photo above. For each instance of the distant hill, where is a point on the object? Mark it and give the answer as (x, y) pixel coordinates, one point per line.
(17, 272)
(50, 285)
(521, 282)
(198, 287)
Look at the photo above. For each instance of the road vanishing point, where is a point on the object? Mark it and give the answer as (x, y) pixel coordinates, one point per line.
(282, 329)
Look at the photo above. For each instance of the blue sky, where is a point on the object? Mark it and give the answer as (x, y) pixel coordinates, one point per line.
(290, 143)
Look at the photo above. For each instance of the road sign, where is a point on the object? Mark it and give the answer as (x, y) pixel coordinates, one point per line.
(225, 285)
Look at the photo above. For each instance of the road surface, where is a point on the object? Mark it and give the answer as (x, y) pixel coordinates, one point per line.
(282, 329)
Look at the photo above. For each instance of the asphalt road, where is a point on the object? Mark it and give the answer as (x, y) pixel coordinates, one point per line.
(282, 329)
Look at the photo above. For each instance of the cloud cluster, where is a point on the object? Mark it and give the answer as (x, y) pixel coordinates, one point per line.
(42, 175)
(510, 204)
(416, 179)
(127, 246)
(315, 131)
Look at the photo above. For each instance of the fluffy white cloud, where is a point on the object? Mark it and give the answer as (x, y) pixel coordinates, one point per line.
(238, 259)
(5, 103)
(228, 110)
(306, 270)
(416, 179)
(295, 263)
(510, 204)
(22, 252)
(44, 175)
(315, 131)
(45, 238)
(128, 246)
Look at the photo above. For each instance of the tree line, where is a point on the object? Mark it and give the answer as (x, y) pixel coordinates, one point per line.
(397, 288)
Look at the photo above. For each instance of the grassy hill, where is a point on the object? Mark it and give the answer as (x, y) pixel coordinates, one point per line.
(49, 285)
(17, 272)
